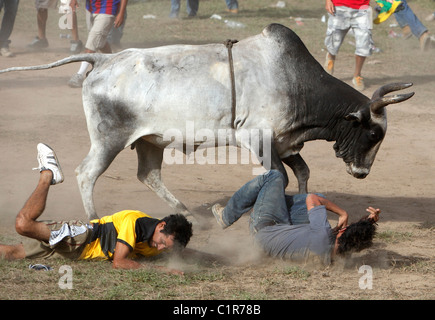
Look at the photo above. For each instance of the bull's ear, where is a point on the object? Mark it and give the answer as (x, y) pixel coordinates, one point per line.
(354, 116)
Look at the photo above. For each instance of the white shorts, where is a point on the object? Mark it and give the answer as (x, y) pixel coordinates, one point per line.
(45, 4)
(99, 26)
(361, 23)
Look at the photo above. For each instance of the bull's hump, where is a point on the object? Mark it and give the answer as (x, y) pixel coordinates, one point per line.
(285, 38)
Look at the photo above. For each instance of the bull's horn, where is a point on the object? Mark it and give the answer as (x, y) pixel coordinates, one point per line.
(389, 88)
(378, 101)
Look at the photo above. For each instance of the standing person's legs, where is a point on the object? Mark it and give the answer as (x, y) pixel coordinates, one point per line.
(232, 5)
(175, 8)
(192, 8)
(338, 26)
(406, 17)
(41, 19)
(99, 26)
(362, 26)
(8, 21)
(42, 7)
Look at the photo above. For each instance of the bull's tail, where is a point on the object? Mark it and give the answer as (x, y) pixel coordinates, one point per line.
(92, 58)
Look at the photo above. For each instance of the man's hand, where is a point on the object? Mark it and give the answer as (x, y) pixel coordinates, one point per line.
(329, 6)
(121, 261)
(119, 19)
(169, 271)
(314, 200)
(343, 221)
(373, 213)
(74, 4)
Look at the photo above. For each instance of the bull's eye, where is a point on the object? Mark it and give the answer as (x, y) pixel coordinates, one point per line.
(373, 136)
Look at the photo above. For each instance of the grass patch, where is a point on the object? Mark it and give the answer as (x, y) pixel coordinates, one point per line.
(296, 272)
(390, 236)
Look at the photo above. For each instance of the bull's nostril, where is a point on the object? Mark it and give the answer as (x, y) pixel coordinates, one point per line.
(360, 175)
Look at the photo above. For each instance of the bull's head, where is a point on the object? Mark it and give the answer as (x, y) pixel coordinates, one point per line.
(359, 144)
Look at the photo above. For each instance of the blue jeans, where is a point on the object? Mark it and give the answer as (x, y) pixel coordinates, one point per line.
(232, 4)
(11, 7)
(265, 194)
(406, 17)
(192, 8)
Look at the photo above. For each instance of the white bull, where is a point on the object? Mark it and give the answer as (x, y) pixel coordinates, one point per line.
(135, 96)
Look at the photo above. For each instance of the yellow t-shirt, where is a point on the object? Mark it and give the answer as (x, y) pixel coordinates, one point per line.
(132, 228)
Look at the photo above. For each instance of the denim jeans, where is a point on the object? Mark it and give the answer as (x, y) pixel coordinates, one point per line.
(265, 194)
(10, 11)
(192, 8)
(406, 17)
(232, 4)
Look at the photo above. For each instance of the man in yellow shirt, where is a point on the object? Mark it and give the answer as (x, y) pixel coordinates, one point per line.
(120, 237)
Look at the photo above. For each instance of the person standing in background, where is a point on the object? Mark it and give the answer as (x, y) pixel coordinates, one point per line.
(10, 7)
(232, 6)
(192, 8)
(343, 16)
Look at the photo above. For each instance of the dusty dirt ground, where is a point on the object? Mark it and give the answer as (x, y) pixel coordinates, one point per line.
(38, 106)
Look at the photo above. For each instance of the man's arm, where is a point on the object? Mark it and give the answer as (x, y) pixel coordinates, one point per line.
(121, 261)
(314, 200)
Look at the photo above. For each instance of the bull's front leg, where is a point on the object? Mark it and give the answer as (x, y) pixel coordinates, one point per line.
(276, 164)
(150, 160)
(95, 163)
(300, 169)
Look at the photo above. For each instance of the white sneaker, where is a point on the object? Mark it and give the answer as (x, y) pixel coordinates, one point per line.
(218, 210)
(5, 52)
(48, 161)
(358, 83)
(76, 80)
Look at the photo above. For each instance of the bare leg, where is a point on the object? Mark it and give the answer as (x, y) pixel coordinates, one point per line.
(359, 61)
(26, 224)
(13, 252)
(75, 31)
(41, 18)
(106, 48)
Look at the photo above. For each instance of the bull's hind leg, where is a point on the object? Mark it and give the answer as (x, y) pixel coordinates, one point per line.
(95, 163)
(150, 160)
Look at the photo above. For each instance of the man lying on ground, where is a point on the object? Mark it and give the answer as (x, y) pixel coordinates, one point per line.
(120, 237)
(284, 232)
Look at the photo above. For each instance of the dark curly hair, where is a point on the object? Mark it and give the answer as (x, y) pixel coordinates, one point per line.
(178, 226)
(357, 236)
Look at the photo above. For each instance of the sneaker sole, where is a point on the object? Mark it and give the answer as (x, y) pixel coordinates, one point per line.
(218, 217)
(53, 181)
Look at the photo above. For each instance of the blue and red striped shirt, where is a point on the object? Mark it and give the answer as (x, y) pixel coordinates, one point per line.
(103, 6)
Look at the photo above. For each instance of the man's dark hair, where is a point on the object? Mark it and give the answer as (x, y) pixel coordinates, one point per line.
(357, 236)
(178, 226)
